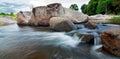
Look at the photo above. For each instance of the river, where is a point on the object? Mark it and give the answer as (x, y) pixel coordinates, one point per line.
(25, 42)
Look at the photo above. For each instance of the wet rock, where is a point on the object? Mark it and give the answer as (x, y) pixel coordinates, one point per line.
(111, 40)
(6, 20)
(23, 17)
(90, 25)
(61, 24)
(86, 37)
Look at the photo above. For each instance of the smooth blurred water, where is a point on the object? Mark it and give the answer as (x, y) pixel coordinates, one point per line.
(24, 42)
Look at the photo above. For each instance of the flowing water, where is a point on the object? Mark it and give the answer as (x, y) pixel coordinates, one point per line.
(24, 42)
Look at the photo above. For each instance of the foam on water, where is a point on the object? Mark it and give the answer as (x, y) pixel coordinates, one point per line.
(60, 39)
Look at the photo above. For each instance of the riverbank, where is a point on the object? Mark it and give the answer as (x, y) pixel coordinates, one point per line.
(6, 20)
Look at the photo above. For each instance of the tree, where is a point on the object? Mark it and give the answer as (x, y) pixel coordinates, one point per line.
(84, 8)
(11, 14)
(101, 7)
(74, 7)
(91, 8)
(2, 13)
(116, 5)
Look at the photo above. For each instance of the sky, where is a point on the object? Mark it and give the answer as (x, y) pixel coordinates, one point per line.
(26, 5)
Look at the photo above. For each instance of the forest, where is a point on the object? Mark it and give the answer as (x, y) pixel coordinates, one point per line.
(101, 7)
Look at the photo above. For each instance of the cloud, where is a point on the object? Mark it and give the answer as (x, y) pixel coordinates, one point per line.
(65, 3)
(9, 6)
(15, 1)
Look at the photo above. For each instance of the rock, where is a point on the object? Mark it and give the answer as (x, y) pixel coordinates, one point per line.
(111, 40)
(6, 20)
(57, 10)
(100, 18)
(90, 25)
(61, 24)
(79, 16)
(86, 38)
(40, 16)
(23, 17)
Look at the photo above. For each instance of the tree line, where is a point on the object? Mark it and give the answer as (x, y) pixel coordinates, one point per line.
(101, 7)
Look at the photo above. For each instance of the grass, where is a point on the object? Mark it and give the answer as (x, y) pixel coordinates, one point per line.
(6, 14)
(13, 16)
(115, 20)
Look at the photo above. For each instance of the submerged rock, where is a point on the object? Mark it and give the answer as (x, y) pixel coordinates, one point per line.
(90, 25)
(111, 40)
(86, 38)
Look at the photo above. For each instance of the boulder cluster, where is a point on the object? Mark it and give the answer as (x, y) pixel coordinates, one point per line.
(53, 15)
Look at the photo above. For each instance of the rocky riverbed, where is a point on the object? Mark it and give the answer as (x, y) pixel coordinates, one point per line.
(26, 42)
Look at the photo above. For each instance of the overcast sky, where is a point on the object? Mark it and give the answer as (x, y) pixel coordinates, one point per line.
(18, 5)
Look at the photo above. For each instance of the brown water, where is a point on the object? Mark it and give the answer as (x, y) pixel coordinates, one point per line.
(26, 42)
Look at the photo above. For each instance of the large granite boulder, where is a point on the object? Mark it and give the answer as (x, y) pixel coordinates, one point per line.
(23, 17)
(40, 16)
(111, 40)
(57, 10)
(61, 24)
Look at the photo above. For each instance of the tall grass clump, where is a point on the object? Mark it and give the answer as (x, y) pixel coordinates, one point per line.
(115, 20)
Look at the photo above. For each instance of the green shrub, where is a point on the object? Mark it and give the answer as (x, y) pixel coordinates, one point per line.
(115, 20)
(74, 7)
(2, 14)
